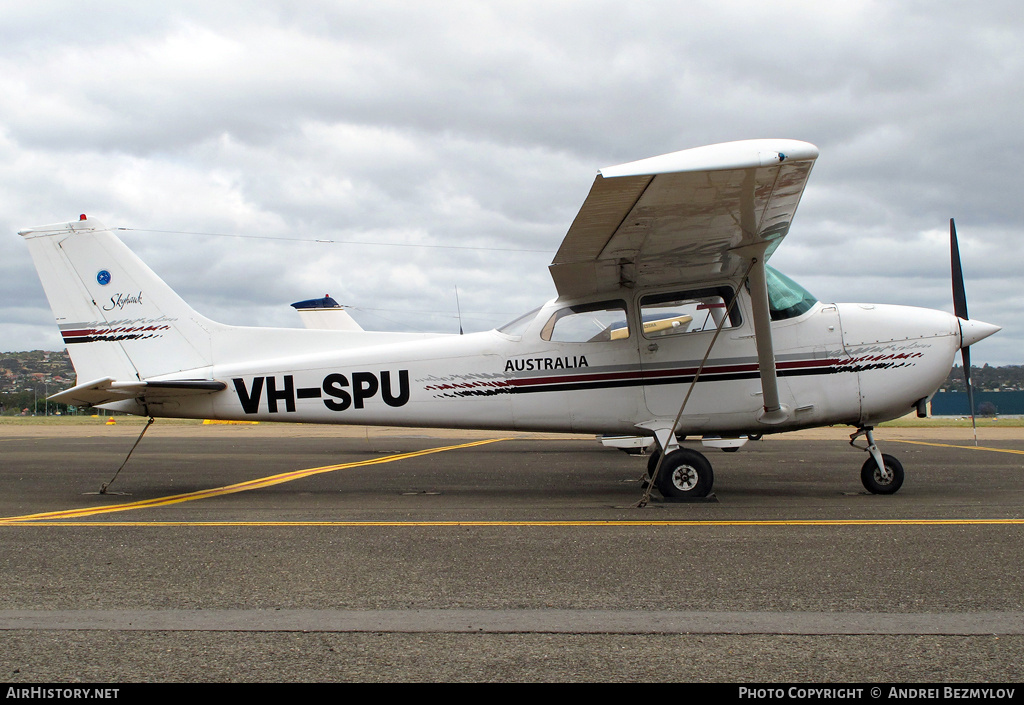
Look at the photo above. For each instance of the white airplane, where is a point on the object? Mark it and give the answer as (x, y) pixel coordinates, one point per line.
(668, 323)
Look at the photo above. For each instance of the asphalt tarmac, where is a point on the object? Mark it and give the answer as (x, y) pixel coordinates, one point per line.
(275, 553)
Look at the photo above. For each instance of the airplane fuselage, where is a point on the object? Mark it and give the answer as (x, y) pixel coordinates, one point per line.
(878, 360)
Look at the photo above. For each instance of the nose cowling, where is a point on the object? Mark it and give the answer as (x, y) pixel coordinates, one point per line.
(973, 331)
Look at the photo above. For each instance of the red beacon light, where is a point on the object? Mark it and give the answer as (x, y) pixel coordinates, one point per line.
(82, 217)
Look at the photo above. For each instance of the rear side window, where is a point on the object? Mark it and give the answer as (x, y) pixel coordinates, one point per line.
(517, 327)
(588, 323)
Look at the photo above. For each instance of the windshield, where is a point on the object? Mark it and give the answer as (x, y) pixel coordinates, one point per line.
(786, 298)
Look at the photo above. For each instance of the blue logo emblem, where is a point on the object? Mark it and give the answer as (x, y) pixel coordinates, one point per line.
(103, 277)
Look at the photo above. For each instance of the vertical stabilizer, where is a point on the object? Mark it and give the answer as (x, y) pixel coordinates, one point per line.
(117, 317)
(325, 314)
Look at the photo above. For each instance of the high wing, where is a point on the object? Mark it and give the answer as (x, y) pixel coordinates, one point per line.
(681, 217)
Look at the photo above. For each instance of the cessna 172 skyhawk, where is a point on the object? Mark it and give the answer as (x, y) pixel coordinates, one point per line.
(667, 322)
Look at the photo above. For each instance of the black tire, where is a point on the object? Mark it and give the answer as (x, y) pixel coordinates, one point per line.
(873, 480)
(652, 462)
(685, 473)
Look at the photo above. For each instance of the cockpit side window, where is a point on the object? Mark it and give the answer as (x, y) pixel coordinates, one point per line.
(676, 313)
(587, 323)
(786, 298)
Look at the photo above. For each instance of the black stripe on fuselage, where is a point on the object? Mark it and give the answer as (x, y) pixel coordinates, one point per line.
(639, 380)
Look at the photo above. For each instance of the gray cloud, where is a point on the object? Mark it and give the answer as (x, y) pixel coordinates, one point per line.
(482, 125)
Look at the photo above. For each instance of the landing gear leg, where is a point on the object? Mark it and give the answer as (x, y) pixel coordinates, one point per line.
(881, 473)
(655, 455)
(666, 442)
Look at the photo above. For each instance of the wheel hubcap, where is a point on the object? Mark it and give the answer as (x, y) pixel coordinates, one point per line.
(684, 478)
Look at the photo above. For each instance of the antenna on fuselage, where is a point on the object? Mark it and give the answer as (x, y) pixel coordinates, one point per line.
(458, 308)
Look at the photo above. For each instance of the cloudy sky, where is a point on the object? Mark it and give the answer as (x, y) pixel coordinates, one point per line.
(449, 144)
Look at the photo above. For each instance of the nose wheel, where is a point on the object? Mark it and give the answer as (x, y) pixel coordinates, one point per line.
(881, 473)
(885, 480)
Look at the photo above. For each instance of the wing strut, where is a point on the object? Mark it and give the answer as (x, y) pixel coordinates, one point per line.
(773, 412)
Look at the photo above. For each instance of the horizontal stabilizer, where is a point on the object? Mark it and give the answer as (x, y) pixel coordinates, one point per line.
(107, 390)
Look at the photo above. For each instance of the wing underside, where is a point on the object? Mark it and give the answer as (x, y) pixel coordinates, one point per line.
(682, 217)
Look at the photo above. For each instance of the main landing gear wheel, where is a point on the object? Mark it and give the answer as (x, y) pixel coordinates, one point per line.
(685, 473)
(877, 483)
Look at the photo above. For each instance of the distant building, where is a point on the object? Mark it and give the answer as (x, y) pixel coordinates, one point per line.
(955, 403)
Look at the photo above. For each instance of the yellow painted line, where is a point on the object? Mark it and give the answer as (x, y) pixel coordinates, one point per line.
(566, 523)
(230, 489)
(951, 445)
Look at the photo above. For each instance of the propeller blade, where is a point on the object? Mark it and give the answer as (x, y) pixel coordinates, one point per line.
(965, 355)
(959, 294)
(960, 310)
